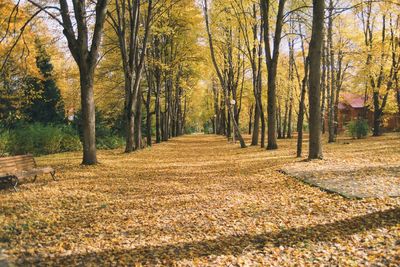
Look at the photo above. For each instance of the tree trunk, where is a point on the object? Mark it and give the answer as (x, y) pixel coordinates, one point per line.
(138, 122)
(300, 118)
(323, 88)
(398, 95)
(315, 146)
(377, 115)
(158, 114)
(289, 129)
(256, 125)
(262, 116)
(88, 115)
(148, 118)
(162, 125)
(331, 108)
(250, 117)
(271, 108)
(279, 120)
(217, 129)
(236, 127)
(184, 116)
(130, 130)
(285, 118)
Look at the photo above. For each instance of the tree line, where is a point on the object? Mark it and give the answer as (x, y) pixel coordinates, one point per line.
(273, 67)
(308, 55)
(149, 42)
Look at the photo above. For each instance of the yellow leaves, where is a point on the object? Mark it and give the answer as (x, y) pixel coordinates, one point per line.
(196, 201)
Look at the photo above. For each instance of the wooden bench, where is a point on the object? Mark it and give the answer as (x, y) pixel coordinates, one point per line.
(12, 169)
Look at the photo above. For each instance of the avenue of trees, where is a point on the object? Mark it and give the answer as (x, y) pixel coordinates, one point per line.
(296, 58)
(148, 71)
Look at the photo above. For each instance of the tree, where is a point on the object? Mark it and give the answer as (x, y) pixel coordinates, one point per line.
(126, 21)
(272, 55)
(252, 34)
(224, 82)
(47, 106)
(382, 58)
(85, 51)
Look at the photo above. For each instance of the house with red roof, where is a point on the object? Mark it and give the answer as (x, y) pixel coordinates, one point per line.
(352, 106)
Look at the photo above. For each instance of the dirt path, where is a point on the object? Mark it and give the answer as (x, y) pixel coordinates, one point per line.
(196, 200)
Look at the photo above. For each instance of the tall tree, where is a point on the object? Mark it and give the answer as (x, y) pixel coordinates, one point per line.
(272, 55)
(223, 81)
(126, 21)
(252, 33)
(47, 105)
(85, 51)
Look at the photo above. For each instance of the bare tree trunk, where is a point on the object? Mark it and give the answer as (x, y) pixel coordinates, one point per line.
(263, 127)
(271, 109)
(323, 87)
(315, 146)
(300, 118)
(285, 118)
(256, 125)
(148, 118)
(158, 113)
(289, 129)
(88, 115)
(217, 115)
(291, 82)
(184, 116)
(250, 117)
(130, 134)
(398, 94)
(331, 101)
(138, 122)
(279, 120)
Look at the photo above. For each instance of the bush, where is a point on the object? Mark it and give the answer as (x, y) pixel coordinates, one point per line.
(358, 128)
(39, 139)
(36, 139)
(70, 140)
(70, 143)
(110, 142)
(4, 137)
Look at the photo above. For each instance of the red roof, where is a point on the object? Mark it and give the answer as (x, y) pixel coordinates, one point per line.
(352, 100)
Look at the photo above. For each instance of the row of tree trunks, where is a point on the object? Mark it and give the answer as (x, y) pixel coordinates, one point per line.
(228, 78)
(382, 79)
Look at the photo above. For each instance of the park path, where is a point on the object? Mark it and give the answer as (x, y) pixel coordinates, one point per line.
(195, 200)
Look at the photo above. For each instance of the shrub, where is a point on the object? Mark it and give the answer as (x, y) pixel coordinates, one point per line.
(39, 139)
(358, 128)
(4, 138)
(70, 143)
(110, 142)
(36, 139)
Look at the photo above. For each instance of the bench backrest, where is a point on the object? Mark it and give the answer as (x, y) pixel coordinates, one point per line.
(20, 163)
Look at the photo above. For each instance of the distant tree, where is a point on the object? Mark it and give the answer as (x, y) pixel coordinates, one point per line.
(46, 105)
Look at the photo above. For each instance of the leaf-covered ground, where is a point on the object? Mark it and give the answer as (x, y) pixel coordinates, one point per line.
(363, 169)
(196, 200)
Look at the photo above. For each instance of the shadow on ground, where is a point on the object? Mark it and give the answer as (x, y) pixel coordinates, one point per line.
(237, 244)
